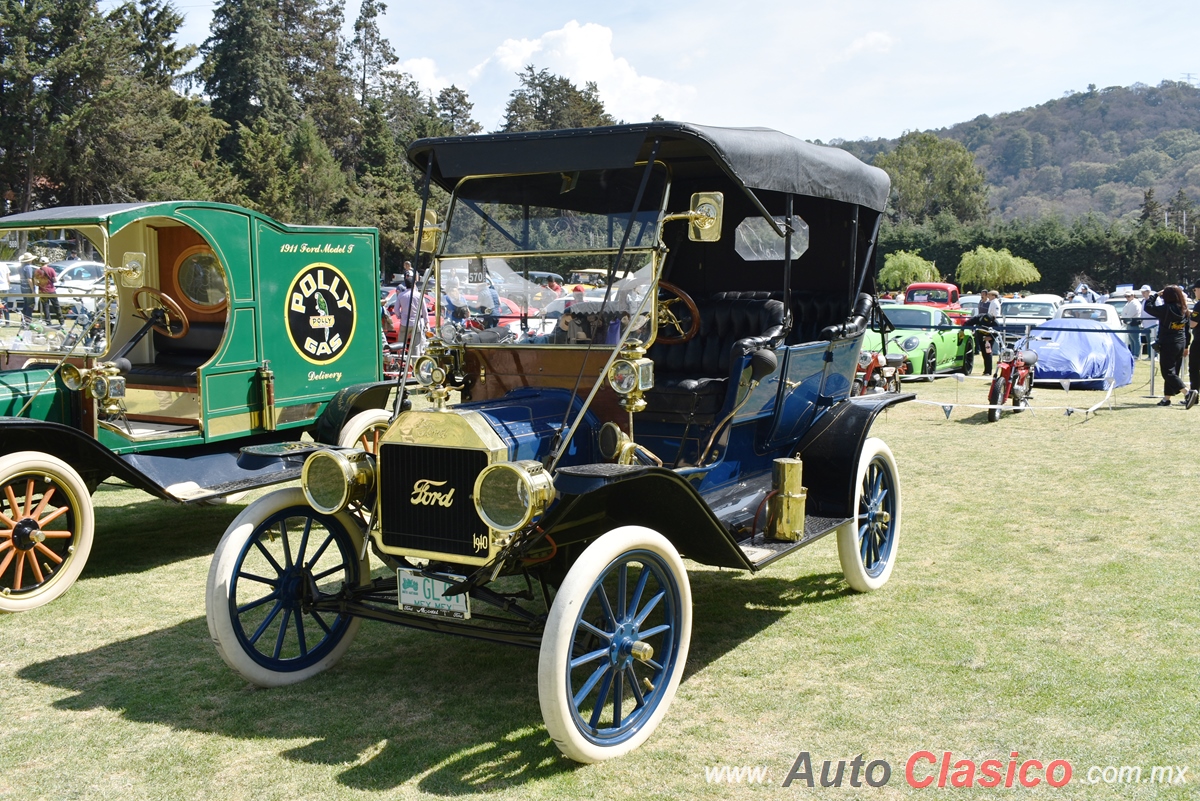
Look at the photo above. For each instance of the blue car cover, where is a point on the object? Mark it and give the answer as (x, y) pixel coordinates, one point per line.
(1086, 351)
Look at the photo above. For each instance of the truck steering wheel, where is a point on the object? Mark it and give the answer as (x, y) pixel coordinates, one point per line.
(164, 312)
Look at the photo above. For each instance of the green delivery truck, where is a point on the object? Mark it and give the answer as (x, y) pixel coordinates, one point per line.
(215, 341)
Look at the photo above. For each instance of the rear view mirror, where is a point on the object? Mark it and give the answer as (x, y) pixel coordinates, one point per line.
(430, 231)
(133, 266)
(705, 219)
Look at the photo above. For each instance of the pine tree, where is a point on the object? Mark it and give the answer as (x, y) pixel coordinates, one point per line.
(1152, 211)
(245, 70)
(370, 52)
(545, 101)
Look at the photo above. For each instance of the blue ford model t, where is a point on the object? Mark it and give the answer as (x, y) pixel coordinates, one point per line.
(569, 459)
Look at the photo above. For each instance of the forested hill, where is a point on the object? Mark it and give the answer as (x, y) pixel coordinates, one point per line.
(1096, 151)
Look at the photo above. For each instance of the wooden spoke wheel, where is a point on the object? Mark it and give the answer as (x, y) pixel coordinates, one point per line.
(46, 528)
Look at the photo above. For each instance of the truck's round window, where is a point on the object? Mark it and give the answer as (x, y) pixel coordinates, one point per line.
(201, 279)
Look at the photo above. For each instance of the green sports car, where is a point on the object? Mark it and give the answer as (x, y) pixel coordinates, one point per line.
(929, 339)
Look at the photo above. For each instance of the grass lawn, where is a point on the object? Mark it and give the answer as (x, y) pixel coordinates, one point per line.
(1044, 602)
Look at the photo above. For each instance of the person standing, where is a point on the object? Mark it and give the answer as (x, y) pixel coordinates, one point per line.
(43, 278)
(1131, 315)
(409, 307)
(1149, 323)
(1173, 336)
(1193, 354)
(25, 287)
(986, 317)
(5, 288)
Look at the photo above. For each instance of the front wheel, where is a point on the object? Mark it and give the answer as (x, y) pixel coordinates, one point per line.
(930, 366)
(46, 529)
(996, 398)
(856, 387)
(615, 644)
(1021, 399)
(867, 544)
(278, 559)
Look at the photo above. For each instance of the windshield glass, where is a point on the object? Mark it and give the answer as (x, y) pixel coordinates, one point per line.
(928, 296)
(521, 300)
(1027, 310)
(555, 212)
(907, 318)
(56, 294)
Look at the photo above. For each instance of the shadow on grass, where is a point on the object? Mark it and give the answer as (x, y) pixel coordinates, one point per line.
(136, 537)
(459, 716)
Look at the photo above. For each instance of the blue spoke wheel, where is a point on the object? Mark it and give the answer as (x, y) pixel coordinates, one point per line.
(615, 644)
(867, 544)
(276, 560)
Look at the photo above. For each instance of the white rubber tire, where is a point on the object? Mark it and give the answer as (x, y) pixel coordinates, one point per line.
(858, 576)
(558, 638)
(221, 627)
(360, 425)
(38, 465)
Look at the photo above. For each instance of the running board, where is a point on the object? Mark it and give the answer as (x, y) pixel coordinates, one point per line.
(761, 551)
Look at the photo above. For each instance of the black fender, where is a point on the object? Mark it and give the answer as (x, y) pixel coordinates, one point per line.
(596, 498)
(347, 403)
(831, 450)
(91, 460)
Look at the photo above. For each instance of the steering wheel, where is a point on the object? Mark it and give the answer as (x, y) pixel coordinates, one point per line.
(668, 319)
(164, 312)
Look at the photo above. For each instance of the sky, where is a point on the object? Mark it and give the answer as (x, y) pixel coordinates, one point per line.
(822, 71)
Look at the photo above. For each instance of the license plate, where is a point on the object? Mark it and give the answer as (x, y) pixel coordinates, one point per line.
(423, 595)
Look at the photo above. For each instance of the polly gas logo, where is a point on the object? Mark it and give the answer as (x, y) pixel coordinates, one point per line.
(320, 313)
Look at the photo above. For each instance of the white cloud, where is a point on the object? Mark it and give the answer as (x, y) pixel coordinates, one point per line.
(425, 72)
(873, 42)
(584, 53)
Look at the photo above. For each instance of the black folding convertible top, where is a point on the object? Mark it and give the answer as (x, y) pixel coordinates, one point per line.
(755, 158)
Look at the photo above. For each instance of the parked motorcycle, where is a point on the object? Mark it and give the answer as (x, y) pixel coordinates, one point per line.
(1013, 378)
(879, 373)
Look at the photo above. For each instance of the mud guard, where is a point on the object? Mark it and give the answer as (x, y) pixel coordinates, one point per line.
(598, 497)
(92, 460)
(347, 403)
(209, 465)
(831, 449)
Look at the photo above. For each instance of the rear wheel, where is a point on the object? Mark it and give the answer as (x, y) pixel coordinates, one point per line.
(46, 529)
(615, 644)
(867, 545)
(278, 559)
(996, 398)
(364, 430)
(968, 359)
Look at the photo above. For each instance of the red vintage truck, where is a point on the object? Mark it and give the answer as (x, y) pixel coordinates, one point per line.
(938, 295)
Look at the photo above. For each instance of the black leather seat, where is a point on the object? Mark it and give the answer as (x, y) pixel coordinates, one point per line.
(176, 361)
(812, 311)
(693, 379)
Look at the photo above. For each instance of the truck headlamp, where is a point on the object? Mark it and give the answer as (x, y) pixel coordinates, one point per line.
(428, 372)
(511, 495)
(332, 480)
